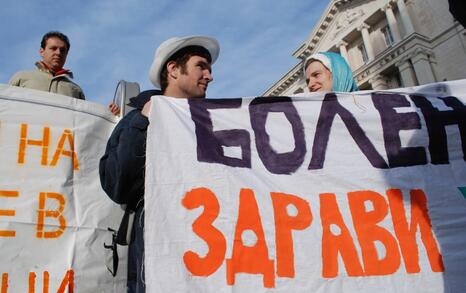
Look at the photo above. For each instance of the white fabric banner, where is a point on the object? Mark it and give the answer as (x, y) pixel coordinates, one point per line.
(354, 192)
(54, 214)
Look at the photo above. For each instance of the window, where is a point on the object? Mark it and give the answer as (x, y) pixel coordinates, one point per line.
(387, 33)
(363, 51)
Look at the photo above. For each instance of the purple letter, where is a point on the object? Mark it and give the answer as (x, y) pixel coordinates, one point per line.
(210, 142)
(392, 123)
(436, 121)
(277, 163)
(330, 108)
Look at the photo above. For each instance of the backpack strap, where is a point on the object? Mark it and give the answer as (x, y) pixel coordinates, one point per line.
(126, 226)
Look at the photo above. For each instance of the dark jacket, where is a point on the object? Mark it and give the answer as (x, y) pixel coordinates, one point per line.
(458, 11)
(121, 171)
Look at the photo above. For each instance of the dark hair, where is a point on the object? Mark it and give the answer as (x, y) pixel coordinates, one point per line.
(55, 34)
(181, 57)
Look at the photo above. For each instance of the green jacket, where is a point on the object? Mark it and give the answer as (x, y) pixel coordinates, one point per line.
(43, 80)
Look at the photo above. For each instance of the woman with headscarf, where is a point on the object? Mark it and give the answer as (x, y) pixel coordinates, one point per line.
(328, 71)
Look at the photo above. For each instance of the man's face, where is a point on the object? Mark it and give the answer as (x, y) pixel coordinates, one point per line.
(318, 77)
(194, 78)
(54, 54)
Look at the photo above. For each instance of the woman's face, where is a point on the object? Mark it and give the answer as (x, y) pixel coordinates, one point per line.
(318, 77)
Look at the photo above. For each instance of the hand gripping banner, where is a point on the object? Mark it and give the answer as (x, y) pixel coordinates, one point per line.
(54, 215)
(322, 192)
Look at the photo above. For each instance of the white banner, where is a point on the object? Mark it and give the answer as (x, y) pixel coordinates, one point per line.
(54, 214)
(356, 192)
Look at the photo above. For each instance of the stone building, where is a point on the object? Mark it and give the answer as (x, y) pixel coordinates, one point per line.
(388, 44)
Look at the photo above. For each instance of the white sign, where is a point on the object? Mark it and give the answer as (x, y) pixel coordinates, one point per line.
(355, 192)
(54, 214)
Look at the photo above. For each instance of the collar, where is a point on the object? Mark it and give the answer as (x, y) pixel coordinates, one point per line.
(42, 66)
(142, 98)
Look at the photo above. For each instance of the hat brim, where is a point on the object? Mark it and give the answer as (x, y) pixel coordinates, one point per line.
(173, 45)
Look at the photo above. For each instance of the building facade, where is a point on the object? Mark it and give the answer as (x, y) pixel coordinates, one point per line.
(388, 44)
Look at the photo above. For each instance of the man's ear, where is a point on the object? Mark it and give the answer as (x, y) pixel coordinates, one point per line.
(41, 52)
(172, 69)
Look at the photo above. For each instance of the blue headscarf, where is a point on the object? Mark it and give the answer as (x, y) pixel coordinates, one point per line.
(342, 76)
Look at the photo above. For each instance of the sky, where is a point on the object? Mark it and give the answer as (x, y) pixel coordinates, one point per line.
(114, 40)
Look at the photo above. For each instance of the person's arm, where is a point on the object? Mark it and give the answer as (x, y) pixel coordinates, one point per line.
(123, 165)
(82, 96)
(80, 93)
(15, 80)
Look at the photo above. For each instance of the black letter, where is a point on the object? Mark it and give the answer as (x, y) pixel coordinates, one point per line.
(392, 123)
(330, 108)
(437, 120)
(284, 163)
(210, 142)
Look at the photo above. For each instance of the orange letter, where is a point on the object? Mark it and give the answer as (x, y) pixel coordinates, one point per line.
(44, 143)
(67, 280)
(52, 214)
(205, 266)
(4, 283)
(10, 213)
(284, 223)
(406, 233)
(46, 282)
(333, 243)
(32, 282)
(67, 135)
(250, 259)
(368, 232)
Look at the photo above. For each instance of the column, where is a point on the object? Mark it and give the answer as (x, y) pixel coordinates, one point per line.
(364, 29)
(422, 67)
(378, 82)
(406, 72)
(406, 19)
(343, 52)
(392, 23)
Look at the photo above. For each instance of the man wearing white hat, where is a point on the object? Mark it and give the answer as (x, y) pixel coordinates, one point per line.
(181, 69)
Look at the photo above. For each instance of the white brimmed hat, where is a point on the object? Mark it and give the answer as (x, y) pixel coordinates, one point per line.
(173, 45)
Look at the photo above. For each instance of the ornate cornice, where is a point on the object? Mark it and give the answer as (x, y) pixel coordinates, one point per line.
(388, 6)
(422, 51)
(341, 2)
(321, 28)
(363, 26)
(294, 75)
(417, 52)
(346, 20)
(398, 55)
(402, 64)
(342, 43)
